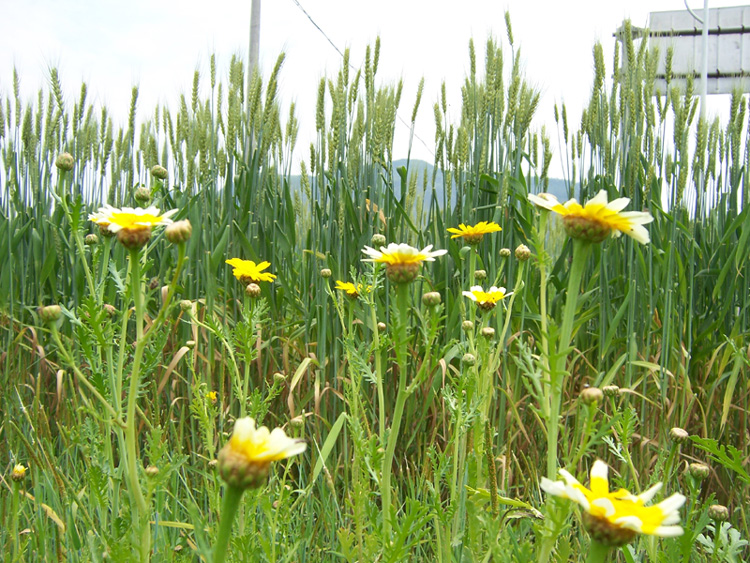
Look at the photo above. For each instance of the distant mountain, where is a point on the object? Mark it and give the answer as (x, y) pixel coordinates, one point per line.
(556, 187)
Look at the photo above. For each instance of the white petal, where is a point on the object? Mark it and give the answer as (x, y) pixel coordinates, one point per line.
(556, 488)
(669, 531)
(600, 470)
(606, 504)
(600, 198)
(569, 479)
(646, 496)
(672, 504)
(630, 522)
(618, 204)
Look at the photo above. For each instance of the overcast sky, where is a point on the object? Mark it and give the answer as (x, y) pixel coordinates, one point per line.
(157, 44)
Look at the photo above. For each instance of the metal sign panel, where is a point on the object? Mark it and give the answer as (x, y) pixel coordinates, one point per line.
(728, 48)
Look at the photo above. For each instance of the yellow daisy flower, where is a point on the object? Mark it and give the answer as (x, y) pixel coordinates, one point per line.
(486, 300)
(613, 518)
(474, 235)
(350, 289)
(245, 460)
(134, 219)
(131, 225)
(19, 472)
(598, 218)
(248, 271)
(402, 261)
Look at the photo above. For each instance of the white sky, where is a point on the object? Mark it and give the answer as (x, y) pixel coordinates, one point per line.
(157, 44)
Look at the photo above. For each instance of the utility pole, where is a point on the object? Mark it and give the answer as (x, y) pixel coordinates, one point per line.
(254, 49)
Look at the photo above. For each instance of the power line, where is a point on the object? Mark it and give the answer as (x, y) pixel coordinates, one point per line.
(312, 21)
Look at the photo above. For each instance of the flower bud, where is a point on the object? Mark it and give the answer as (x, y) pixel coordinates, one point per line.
(488, 332)
(297, 421)
(213, 463)
(678, 435)
(110, 310)
(467, 326)
(469, 359)
(186, 305)
(611, 391)
(699, 471)
(504, 252)
(159, 172)
(152, 471)
(252, 290)
(718, 513)
(179, 232)
(431, 299)
(190, 344)
(381, 327)
(480, 274)
(522, 253)
(591, 396)
(19, 473)
(65, 162)
(153, 283)
(279, 377)
(213, 396)
(326, 273)
(142, 194)
(91, 239)
(378, 240)
(50, 313)
(133, 239)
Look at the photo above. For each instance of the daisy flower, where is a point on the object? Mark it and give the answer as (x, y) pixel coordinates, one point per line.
(351, 290)
(598, 218)
(248, 271)
(132, 225)
(486, 300)
(402, 261)
(613, 518)
(474, 235)
(245, 460)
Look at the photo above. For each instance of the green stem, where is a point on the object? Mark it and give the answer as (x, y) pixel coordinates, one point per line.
(378, 374)
(581, 251)
(229, 507)
(402, 296)
(140, 507)
(14, 520)
(597, 552)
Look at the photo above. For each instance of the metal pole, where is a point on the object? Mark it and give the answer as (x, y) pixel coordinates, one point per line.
(704, 70)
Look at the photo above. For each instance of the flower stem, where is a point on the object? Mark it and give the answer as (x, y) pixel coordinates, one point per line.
(402, 296)
(581, 251)
(598, 552)
(229, 507)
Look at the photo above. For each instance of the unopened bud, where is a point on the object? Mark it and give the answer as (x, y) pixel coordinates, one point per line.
(381, 327)
(65, 162)
(159, 172)
(504, 252)
(252, 290)
(678, 435)
(326, 273)
(152, 471)
(718, 512)
(50, 313)
(279, 377)
(591, 396)
(378, 240)
(431, 299)
(297, 421)
(467, 326)
(142, 194)
(186, 305)
(611, 391)
(480, 274)
(91, 239)
(522, 253)
(110, 310)
(213, 463)
(190, 344)
(699, 471)
(153, 283)
(179, 231)
(469, 359)
(488, 332)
